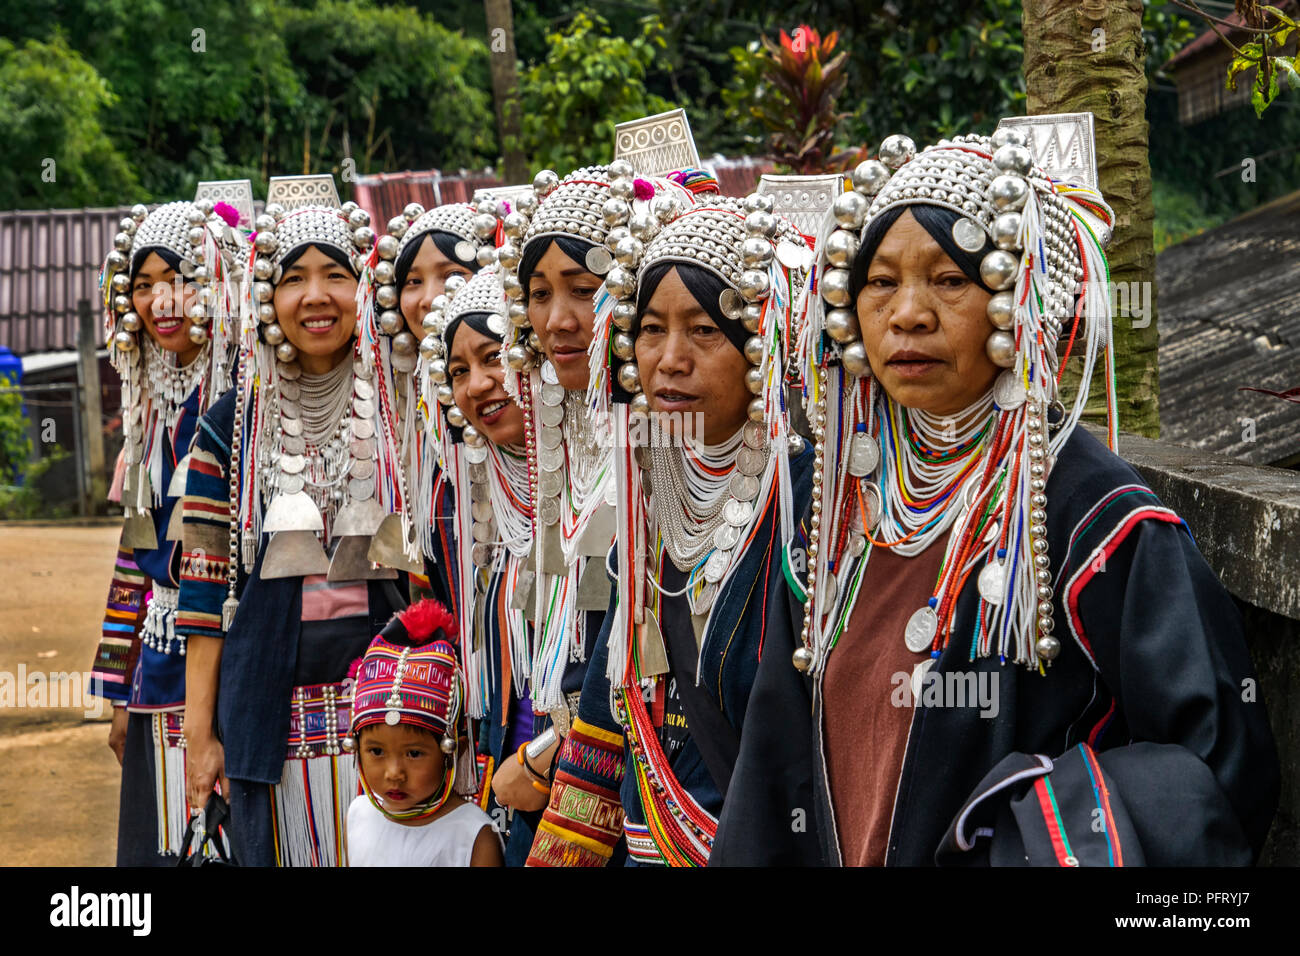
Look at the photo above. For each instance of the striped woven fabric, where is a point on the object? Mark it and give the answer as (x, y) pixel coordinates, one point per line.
(205, 554)
(584, 818)
(119, 643)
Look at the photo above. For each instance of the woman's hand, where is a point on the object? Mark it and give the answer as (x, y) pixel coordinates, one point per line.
(117, 733)
(513, 787)
(205, 765)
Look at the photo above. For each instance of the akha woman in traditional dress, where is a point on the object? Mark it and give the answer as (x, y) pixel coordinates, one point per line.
(293, 473)
(170, 288)
(693, 333)
(407, 272)
(1005, 650)
(480, 432)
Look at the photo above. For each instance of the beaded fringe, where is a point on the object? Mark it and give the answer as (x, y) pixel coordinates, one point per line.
(310, 807)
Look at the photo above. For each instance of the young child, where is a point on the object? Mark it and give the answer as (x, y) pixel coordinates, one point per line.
(406, 719)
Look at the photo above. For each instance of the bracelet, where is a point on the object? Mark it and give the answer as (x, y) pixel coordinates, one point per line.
(537, 746)
(539, 782)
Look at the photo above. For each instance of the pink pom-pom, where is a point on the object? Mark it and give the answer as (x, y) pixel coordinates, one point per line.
(506, 208)
(228, 213)
(354, 667)
(643, 189)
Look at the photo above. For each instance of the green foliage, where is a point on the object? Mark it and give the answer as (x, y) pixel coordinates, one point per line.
(20, 495)
(1267, 65)
(589, 81)
(53, 106)
(249, 88)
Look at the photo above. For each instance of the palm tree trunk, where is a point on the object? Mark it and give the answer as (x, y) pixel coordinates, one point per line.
(1089, 56)
(505, 87)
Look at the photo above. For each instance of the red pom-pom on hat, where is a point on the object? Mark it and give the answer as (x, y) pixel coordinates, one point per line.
(425, 617)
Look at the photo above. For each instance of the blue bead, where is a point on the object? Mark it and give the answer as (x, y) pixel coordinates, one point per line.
(933, 602)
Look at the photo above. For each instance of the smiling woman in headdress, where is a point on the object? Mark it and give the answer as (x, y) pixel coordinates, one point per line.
(294, 472)
(169, 334)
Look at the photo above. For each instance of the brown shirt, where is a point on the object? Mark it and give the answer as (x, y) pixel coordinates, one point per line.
(865, 728)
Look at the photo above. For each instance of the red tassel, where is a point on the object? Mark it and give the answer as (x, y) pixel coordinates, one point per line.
(425, 617)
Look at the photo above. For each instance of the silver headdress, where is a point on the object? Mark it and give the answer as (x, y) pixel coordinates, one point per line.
(153, 389)
(316, 449)
(763, 262)
(493, 513)
(1041, 240)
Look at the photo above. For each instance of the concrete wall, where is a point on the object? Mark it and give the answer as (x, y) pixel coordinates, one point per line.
(1246, 521)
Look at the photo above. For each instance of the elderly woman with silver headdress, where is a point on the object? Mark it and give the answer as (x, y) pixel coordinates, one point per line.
(170, 289)
(293, 474)
(692, 339)
(1005, 650)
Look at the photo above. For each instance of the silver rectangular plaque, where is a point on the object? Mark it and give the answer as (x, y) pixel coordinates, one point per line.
(805, 201)
(294, 192)
(234, 192)
(657, 144)
(1064, 144)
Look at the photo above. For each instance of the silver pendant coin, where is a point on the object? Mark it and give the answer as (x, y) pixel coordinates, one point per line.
(548, 373)
(864, 455)
(871, 498)
(363, 448)
(362, 408)
(363, 389)
(550, 458)
(549, 483)
(363, 428)
(749, 461)
(290, 390)
(362, 469)
(478, 492)
(552, 394)
(968, 235)
(403, 363)
(292, 464)
(551, 437)
(481, 510)
(291, 426)
(476, 455)
(992, 582)
(291, 484)
(482, 554)
(484, 532)
(361, 489)
(477, 471)
(716, 566)
(1009, 391)
(920, 631)
(290, 373)
(737, 513)
(730, 303)
(548, 511)
(289, 409)
(551, 415)
(293, 445)
(744, 487)
(726, 537)
(755, 435)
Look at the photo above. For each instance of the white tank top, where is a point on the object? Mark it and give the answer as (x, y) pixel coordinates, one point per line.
(375, 840)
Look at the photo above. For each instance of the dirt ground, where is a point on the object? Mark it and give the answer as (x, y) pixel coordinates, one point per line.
(58, 779)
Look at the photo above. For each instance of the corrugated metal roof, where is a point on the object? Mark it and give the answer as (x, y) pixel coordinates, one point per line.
(49, 259)
(1229, 317)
